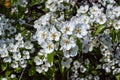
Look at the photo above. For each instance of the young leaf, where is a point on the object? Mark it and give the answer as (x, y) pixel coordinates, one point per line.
(31, 71)
(50, 57)
(3, 66)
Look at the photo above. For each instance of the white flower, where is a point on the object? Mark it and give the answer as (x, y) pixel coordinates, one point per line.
(67, 43)
(41, 35)
(82, 69)
(83, 9)
(22, 63)
(76, 64)
(45, 66)
(23, 3)
(48, 46)
(116, 11)
(109, 14)
(12, 30)
(94, 10)
(109, 6)
(85, 44)
(7, 59)
(13, 48)
(67, 28)
(66, 62)
(4, 79)
(39, 69)
(96, 78)
(14, 64)
(71, 53)
(13, 76)
(26, 55)
(81, 30)
(20, 44)
(4, 53)
(57, 46)
(101, 19)
(54, 34)
(16, 56)
(84, 19)
(18, 37)
(111, 1)
(38, 60)
(28, 45)
(51, 5)
(42, 21)
(116, 24)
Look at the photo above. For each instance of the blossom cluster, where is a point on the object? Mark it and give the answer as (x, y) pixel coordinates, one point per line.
(82, 38)
(14, 48)
(57, 34)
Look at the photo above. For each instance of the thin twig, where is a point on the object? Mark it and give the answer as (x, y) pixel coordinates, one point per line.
(68, 75)
(22, 74)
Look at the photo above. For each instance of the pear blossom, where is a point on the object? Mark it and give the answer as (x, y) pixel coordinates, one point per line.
(54, 34)
(4, 53)
(39, 69)
(67, 43)
(18, 37)
(116, 11)
(14, 64)
(16, 56)
(22, 63)
(84, 19)
(116, 24)
(51, 5)
(4, 79)
(76, 64)
(38, 61)
(45, 66)
(42, 35)
(101, 19)
(48, 47)
(7, 59)
(83, 9)
(67, 28)
(26, 55)
(94, 10)
(28, 45)
(13, 48)
(20, 44)
(70, 53)
(12, 75)
(42, 21)
(66, 62)
(80, 30)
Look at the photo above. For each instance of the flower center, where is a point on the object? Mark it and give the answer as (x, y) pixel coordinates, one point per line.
(49, 46)
(67, 29)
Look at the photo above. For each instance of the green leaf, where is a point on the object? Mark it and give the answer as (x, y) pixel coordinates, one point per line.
(32, 71)
(34, 2)
(79, 44)
(24, 32)
(50, 57)
(18, 70)
(94, 72)
(113, 34)
(117, 36)
(117, 77)
(31, 61)
(99, 29)
(12, 2)
(7, 73)
(3, 66)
